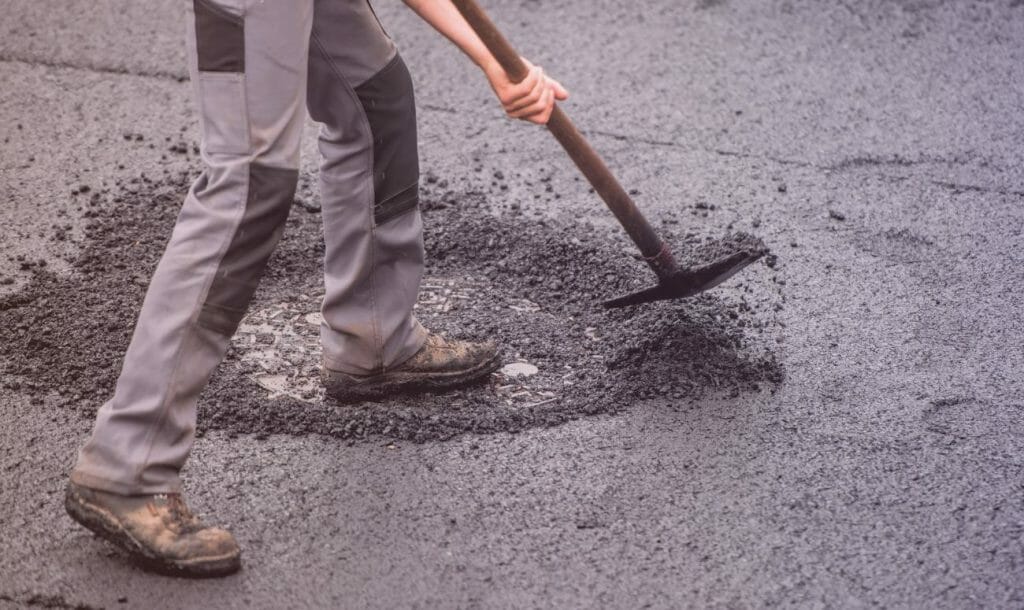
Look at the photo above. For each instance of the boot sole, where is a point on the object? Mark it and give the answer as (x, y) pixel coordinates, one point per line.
(347, 389)
(105, 525)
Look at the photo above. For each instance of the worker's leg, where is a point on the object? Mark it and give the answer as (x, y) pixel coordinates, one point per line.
(361, 92)
(248, 64)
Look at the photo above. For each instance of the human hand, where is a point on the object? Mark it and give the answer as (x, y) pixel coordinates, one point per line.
(532, 99)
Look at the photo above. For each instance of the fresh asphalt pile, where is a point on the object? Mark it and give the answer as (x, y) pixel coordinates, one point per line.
(534, 285)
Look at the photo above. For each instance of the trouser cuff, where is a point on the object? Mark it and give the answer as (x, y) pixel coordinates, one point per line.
(417, 337)
(86, 479)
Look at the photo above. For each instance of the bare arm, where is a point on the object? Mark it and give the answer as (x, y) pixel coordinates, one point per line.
(532, 100)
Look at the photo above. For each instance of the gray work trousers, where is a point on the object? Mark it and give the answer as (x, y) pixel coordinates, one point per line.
(256, 65)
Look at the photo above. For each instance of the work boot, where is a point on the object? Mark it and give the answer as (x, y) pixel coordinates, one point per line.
(439, 365)
(156, 530)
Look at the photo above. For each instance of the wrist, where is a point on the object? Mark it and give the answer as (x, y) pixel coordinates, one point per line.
(489, 66)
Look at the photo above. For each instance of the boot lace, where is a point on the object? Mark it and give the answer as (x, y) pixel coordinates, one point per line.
(179, 514)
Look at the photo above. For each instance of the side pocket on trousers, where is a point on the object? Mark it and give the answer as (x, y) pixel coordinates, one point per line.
(225, 112)
(220, 57)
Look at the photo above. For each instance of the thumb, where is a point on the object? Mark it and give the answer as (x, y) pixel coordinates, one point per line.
(560, 92)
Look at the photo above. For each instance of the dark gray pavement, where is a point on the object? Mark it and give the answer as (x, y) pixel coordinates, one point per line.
(886, 470)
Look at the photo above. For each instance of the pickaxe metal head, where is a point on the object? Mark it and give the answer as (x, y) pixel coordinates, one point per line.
(682, 283)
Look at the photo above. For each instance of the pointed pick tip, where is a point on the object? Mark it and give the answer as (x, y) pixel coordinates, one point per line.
(690, 282)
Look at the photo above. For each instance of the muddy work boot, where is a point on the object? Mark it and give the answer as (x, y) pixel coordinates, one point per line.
(158, 531)
(440, 364)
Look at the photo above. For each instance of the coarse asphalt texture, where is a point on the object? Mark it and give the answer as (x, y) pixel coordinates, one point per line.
(838, 425)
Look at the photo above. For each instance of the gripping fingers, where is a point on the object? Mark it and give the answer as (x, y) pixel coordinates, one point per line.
(531, 96)
(549, 107)
(532, 99)
(514, 93)
(540, 111)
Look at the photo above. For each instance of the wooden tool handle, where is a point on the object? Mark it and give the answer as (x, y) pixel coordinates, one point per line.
(593, 167)
(495, 42)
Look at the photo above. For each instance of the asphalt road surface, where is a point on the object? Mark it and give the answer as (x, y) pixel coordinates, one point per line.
(875, 146)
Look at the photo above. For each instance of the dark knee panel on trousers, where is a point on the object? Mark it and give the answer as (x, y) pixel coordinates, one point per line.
(387, 99)
(270, 195)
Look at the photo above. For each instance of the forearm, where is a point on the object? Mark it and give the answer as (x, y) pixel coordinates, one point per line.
(531, 99)
(446, 19)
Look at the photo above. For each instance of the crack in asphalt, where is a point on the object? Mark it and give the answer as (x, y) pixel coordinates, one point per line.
(850, 163)
(634, 139)
(98, 69)
(896, 160)
(974, 188)
(718, 151)
(847, 164)
(778, 160)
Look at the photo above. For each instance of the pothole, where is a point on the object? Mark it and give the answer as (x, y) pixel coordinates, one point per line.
(279, 344)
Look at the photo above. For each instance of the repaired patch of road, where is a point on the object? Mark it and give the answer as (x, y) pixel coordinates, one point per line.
(534, 285)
